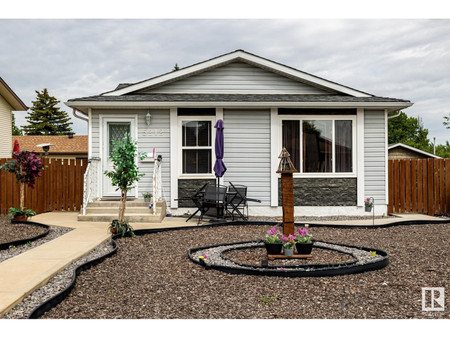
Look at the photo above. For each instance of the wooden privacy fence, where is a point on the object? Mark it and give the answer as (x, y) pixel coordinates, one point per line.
(419, 186)
(60, 188)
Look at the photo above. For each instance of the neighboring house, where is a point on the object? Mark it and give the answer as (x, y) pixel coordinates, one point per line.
(68, 147)
(400, 151)
(9, 102)
(336, 135)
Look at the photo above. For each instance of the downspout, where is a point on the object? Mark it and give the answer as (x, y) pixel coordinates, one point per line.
(396, 115)
(74, 111)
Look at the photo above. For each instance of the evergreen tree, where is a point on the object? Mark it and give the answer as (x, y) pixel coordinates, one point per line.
(175, 68)
(45, 118)
(15, 130)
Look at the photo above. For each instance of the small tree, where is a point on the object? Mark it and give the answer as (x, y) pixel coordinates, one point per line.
(46, 118)
(125, 171)
(26, 166)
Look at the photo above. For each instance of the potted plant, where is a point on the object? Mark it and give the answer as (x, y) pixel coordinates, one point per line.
(122, 228)
(124, 174)
(368, 204)
(288, 244)
(303, 242)
(147, 197)
(20, 214)
(273, 242)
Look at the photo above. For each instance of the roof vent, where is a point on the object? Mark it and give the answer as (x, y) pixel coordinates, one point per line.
(70, 134)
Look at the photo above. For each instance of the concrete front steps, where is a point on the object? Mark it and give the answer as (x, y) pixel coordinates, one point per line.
(137, 211)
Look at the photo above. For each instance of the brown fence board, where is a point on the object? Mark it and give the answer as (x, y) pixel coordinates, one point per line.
(391, 188)
(59, 188)
(414, 186)
(408, 186)
(419, 185)
(447, 183)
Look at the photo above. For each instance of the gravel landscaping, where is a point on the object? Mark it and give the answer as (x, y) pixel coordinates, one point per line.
(151, 276)
(12, 232)
(55, 285)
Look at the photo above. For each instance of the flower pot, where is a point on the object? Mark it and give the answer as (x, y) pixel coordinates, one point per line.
(289, 252)
(273, 248)
(147, 199)
(367, 209)
(304, 248)
(20, 218)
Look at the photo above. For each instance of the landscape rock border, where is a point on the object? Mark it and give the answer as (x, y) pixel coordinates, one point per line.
(310, 270)
(54, 301)
(6, 245)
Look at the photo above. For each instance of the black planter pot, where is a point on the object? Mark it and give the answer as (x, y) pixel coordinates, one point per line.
(304, 249)
(273, 249)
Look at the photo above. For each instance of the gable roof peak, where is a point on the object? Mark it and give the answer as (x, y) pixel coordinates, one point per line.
(238, 55)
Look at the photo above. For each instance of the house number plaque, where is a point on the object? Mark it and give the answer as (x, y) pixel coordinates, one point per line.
(156, 132)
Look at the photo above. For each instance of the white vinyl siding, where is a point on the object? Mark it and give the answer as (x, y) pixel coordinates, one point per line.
(157, 135)
(247, 151)
(375, 156)
(237, 78)
(5, 129)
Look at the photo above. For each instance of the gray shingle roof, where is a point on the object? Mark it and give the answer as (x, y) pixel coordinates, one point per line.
(235, 98)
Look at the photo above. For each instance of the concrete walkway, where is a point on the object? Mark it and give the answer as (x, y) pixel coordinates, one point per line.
(22, 274)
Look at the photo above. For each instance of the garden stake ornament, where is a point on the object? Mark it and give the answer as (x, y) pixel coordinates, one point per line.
(286, 169)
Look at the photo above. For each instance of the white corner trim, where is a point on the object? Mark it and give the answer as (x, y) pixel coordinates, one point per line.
(274, 151)
(89, 133)
(173, 157)
(360, 182)
(386, 158)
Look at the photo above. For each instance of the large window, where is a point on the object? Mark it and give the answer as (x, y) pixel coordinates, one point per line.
(196, 144)
(320, 145)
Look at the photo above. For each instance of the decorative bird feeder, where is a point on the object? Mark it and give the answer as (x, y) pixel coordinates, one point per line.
(286, 169)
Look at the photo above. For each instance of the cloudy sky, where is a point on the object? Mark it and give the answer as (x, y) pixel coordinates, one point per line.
(407, 59)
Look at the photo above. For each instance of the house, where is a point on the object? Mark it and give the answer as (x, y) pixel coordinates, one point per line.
(400, 151)
(336, 135)
(9, 102)
(61, 146)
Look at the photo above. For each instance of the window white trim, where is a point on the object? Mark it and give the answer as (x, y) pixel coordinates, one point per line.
(333, 118)
(360, 157)
(173, 157)
(182, 119)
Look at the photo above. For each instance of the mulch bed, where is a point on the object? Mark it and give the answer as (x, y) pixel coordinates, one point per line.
(152, 277)
(12, 232)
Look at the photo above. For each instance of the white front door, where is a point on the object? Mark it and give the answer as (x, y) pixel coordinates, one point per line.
(114, 129)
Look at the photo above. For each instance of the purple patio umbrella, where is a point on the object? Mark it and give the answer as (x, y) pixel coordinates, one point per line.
(219, 166)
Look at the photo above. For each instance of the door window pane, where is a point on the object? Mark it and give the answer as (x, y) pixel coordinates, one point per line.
(317, 146)
(117, 132)
(343, 150)
(291, 140)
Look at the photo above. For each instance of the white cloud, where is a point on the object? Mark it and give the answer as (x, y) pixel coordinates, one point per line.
(405, 59)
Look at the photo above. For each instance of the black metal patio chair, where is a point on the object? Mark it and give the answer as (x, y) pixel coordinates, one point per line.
(237, 200)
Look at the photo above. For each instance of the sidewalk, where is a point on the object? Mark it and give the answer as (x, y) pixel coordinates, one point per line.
(22, 274)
